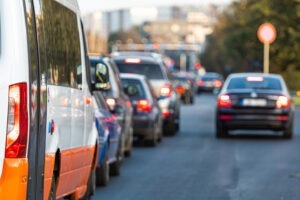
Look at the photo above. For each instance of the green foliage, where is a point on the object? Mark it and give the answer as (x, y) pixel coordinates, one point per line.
(234, 42)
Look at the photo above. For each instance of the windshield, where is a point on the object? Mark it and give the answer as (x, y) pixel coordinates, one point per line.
(151, 71)
(264, 83)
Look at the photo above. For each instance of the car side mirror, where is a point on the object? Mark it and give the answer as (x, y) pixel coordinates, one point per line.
(131, 90)
(101, 77)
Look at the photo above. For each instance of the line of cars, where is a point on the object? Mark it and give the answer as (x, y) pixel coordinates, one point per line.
(67, 121)
(136, 100)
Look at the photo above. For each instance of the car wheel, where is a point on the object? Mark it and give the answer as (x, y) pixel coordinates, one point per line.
(221, 130)
(288, 132)
(192, 100)
(170, 129)
(153, 141)
(102, 173)
(127, 152)
(115, 167)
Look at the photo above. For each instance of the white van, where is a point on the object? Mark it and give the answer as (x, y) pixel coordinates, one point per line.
(49, 150)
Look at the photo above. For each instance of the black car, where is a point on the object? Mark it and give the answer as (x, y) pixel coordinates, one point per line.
(254, 101)
(147, 118)
(209, 82)
(118, 102)
(184, 85)
(154, 70)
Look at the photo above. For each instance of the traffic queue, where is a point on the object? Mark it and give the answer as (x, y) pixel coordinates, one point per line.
(70, 120)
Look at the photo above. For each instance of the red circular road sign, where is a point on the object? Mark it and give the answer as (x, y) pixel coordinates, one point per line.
(266, 33)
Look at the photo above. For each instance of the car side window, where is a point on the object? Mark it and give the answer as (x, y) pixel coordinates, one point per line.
(116, 72)
(62, 45)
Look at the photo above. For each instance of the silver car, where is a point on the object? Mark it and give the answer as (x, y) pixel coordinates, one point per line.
(155, 71)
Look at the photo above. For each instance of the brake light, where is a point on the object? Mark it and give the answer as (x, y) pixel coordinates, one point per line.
(166, 113)
(225, 117)
(255, 79)
(133, 60)
(283, 102)
(144, 106)
(111, 103)
(17, 122)
(166, 91)
(217, 83)
(224, 101)
(180, 89)
(200, 83)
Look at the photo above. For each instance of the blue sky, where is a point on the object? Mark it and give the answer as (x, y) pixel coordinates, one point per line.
(93, 5)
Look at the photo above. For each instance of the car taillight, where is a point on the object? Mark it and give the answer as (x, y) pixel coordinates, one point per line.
(180, 89)
(166, 90)
(224, 101)
(143, 106)
(283, 102)
(217, 83)
(200, 83)
(17, 122)
(166, 113)
(111, 103)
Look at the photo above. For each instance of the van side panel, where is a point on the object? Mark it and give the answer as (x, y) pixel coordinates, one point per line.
(70, 126)
(75, 169)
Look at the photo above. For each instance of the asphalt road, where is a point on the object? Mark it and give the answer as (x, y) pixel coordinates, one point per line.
(194, 165)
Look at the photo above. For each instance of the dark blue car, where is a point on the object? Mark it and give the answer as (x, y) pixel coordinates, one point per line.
(109, 132)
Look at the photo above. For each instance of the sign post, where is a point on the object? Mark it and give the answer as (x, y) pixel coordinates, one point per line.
(266, 34)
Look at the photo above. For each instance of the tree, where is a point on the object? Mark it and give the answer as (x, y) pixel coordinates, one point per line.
(234, 40)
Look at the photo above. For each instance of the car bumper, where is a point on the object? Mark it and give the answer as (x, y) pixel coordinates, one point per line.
(272, 120)
(143, 126)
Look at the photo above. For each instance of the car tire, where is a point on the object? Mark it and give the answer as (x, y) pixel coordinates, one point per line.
(288, 132)
(102, 173)
(153, 141)
(221, 130)
(170, 129)
(128, 151)
(192, 100)
(115, 167)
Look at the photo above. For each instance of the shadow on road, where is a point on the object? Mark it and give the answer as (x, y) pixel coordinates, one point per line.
(255, 136)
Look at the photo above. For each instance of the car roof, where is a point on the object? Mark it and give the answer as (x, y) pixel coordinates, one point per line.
(137, 53)
(144, 59)
(91, 58)
(234, 75)
(132, 76)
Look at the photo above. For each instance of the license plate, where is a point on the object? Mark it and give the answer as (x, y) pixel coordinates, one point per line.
(255, 102)
(208, 84)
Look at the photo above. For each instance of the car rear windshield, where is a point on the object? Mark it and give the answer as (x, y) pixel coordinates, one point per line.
(139, 91)
(151, 71)
(211, 77)
(267, 83)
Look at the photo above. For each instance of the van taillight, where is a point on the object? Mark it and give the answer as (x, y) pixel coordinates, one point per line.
(283, 102)
(166, 90)
(143, 105)
(224, 101)
(17, 122)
